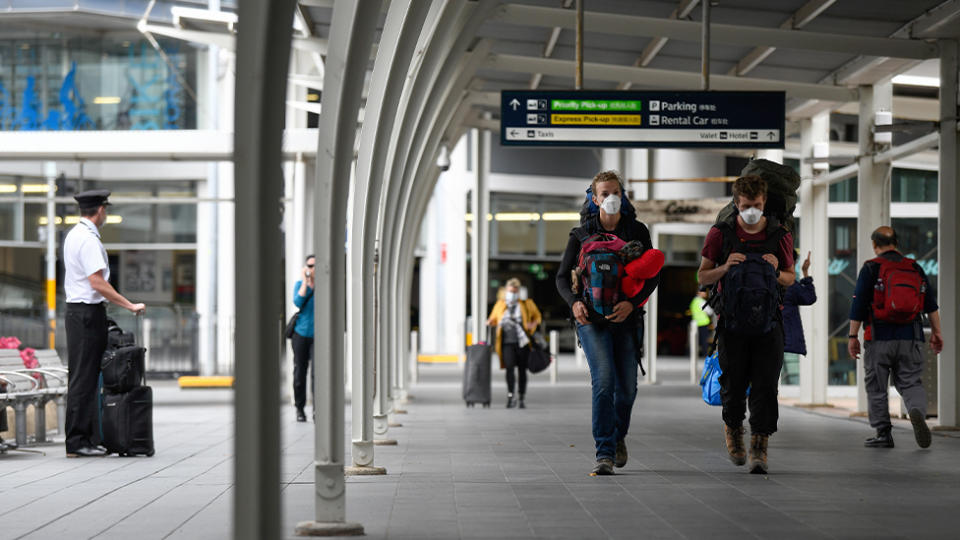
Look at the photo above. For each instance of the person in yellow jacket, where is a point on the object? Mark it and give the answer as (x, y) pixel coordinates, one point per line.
(516, 320)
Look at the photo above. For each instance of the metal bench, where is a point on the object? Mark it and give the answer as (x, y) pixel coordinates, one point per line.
(23, 390)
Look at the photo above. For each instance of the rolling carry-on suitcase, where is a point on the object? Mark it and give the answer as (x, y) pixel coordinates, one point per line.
(127, 422)
(476, 374)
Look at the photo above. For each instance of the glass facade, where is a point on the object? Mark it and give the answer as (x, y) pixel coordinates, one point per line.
(53, 82)
(913, 186)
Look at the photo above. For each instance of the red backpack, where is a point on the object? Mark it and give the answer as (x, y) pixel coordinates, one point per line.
(601, 271)
(899, 293)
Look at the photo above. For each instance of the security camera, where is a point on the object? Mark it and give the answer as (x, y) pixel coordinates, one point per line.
(443, 160)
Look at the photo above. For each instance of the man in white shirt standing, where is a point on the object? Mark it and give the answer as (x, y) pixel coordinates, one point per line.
(87, 288)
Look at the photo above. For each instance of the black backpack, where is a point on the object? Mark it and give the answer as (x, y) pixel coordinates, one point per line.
(750, 296)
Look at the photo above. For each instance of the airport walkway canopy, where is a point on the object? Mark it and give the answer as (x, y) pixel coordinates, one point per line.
(424, 72)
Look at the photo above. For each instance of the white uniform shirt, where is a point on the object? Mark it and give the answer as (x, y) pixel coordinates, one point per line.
(83, 255)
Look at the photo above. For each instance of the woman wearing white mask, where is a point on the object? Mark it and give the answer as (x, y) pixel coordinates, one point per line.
(611, 340)
(515, 320)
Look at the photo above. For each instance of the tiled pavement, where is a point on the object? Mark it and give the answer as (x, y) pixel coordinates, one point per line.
(496, 473)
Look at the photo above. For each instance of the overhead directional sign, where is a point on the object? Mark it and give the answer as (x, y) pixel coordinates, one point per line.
(642, 119)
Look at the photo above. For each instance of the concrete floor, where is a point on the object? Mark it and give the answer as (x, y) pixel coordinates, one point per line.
(497, 473)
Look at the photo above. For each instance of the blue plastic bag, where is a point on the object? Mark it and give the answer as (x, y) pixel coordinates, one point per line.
(710, 380)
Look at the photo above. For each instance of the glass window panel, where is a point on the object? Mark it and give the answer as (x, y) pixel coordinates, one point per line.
(845, 191)
(842, 271)
(912, 185)
(117, 83)
(7, 220)
(917, 239)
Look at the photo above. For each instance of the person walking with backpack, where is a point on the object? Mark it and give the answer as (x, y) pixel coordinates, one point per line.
(516, 320)
(609, 323)
(891, 294)
(750, 258)
(302, 338)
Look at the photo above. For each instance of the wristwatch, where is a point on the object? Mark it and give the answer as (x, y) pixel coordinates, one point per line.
(853, 336)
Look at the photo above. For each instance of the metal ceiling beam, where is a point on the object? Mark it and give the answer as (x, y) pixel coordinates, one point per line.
(224, 40)
(548, 48)
(656, 44)
(664, 78)
(632, 25)
(799, 19)
(919, 144)
(932, 18)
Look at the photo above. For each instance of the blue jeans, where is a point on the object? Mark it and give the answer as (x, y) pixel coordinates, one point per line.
(612, 355)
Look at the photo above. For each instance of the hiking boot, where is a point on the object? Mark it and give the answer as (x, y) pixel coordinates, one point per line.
(604, 467)
(734, 442)
(758, 453)
(521, 404)
(621, 458)
(920, 429)
(511, 401)
(884, 439)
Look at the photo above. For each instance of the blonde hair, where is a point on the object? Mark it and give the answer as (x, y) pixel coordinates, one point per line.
(606, 176)
(513, 282)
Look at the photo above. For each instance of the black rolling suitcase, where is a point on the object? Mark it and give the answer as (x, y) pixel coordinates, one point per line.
(476, 374)
(127, 415)
(128, 422)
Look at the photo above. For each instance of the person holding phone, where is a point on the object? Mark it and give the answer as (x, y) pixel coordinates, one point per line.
(302, 340)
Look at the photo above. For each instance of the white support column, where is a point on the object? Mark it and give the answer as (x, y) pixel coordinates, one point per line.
(446, 30)
(873, 190)
(949, 203)
(352, 29)
(395, 49)
(481, 227)
(50, 171)
(813, 232)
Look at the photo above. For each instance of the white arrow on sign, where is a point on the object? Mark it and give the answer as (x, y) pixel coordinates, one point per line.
(514, 103)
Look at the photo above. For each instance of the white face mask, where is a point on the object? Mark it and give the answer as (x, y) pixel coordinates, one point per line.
(611, 205)
(511, 297)
(751, 216)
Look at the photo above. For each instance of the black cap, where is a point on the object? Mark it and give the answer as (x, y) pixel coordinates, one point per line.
(92, 198)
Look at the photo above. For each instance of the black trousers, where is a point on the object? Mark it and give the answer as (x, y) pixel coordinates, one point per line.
(86, 326)
(302, 357)
(754, 362)
(515, 358)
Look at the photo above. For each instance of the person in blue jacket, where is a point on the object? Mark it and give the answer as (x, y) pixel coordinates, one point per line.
(302, 340)
(801, 293)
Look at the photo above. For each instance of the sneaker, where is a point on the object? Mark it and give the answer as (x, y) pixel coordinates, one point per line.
(733, 437)
(884, 439)
(521, 404)
(604, 467)
(920, 429)
(758, 453)
(511, 401)
(621, 458)
(301, 416)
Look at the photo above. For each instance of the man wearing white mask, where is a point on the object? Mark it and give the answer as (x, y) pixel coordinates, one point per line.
(750, 258)
(515, 320)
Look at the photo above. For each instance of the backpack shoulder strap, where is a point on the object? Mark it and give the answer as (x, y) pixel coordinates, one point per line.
(581, 233)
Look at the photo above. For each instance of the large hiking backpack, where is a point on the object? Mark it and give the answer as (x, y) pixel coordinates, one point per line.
(899, 293)
(749, 294)
(782, 184)
(601, 271)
